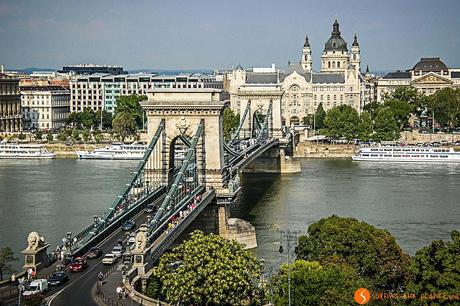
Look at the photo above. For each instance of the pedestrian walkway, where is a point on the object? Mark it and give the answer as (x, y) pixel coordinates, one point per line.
(107, 293)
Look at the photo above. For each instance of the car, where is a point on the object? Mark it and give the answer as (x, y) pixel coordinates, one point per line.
(150, 208)
(444, 143)
(435, 144)
(58, 278)
(132, 238)
(109, 259)
(36, 286)
(94, 253)
(78, 264)
(118, 250)
(457, 143)
(129, 225)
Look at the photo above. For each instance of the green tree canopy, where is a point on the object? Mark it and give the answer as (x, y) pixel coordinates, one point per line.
(124, 125)
(445, 104)
(130, 104)
(208, 270)
(436, 268)
(372, 108)
(372, 252)
(365, 126)
(231, 123)
(404, 101)
(314, 284)
(6, 258)
(385, 126)
(320, 115)
(342, 121)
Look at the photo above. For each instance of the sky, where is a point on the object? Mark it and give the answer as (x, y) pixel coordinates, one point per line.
(212, 34)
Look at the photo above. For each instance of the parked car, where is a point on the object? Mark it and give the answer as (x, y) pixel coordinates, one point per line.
(94, 253)
(36, 286)
(58, 278)
(129, 225)
(109, 259)
(435, 144)
(118, 250)
(457, 143)
(444, 143)
(78, 264)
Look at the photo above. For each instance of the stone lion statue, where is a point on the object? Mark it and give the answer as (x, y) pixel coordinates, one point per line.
(34, 241)
(141, 241)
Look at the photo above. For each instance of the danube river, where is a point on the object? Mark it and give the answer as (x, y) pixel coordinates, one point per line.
(415, 202)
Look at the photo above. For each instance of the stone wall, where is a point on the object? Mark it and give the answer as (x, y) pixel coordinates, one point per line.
(415, 137)
(312, 150)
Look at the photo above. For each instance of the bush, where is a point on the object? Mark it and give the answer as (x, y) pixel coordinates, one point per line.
(38, 135)
(22, 136)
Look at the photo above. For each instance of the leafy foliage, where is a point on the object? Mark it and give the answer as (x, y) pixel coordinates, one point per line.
(130, 104)
(124, 125)
(315, 284)
(446, 106)
(88, 119)
(385, 127)
(21, 136)
(231, 123)
(49, 137)
(209, 270)
(38, 135)
(6, 257)
(436, 267)
(372, 252)
(320, 116)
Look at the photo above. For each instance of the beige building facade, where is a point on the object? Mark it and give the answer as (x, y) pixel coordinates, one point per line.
(10, 104)
(301, 89)
(428, 75)
(45, 107)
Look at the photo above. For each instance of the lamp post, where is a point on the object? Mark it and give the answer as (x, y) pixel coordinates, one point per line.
(69, 241)
(21, 282)
(291, 240)
(432, 122)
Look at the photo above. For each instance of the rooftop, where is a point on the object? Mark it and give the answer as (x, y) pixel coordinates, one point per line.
(430, 64)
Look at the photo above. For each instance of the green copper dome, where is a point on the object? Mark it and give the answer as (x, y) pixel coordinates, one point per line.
(336, 42)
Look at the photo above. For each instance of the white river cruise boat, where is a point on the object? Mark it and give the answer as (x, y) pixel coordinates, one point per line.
(23, 151)
(407, 154)
(115, 151)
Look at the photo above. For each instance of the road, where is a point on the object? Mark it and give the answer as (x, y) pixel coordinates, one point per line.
(77, 291)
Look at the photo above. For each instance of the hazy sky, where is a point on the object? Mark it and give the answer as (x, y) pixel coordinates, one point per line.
(393, 34)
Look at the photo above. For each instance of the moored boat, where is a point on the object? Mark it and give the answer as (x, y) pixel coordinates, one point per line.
(24, 151)
(407, 154)
(115, 152)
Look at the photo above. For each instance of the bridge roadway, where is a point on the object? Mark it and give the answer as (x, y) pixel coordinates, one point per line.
(78, 291)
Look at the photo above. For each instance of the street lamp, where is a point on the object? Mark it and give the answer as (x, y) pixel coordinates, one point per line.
(69, 241)
(291, 237)
(21, 287)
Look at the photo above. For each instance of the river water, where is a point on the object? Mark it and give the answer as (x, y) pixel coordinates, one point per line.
(417, 203)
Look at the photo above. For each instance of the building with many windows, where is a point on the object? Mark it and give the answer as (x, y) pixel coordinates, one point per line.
(428, 75)
(92, 68)
(98, 91)
(10, 104)
(300, 88)
(45, 107)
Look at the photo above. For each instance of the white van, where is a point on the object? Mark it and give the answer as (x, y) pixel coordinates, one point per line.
(36, 286)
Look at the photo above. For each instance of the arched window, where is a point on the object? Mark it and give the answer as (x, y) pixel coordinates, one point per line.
(333, 64)
(354, 56)
(338, 64)
(329, 64)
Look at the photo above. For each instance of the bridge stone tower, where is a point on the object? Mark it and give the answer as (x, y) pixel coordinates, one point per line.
(183, 109)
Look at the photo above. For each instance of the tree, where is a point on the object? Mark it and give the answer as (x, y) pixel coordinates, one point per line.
(85, 135)
(372, 108)
(385, 127)
(436, 268)
(231, 123)
(88, 118)
(75, 135)
(372, 252)
(6, 257)
(445, 104)
(21, 136)
(342, 121)
(124, 125)
(74, 119)
(315, 284)
(153, 289)
(403, 102)
(38, 135)
(131, 105)
(320, 115)
(49, 137)
(365, 126)
(63, 135)
(208, 270)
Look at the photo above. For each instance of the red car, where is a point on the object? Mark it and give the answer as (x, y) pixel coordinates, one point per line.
(78, 264)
